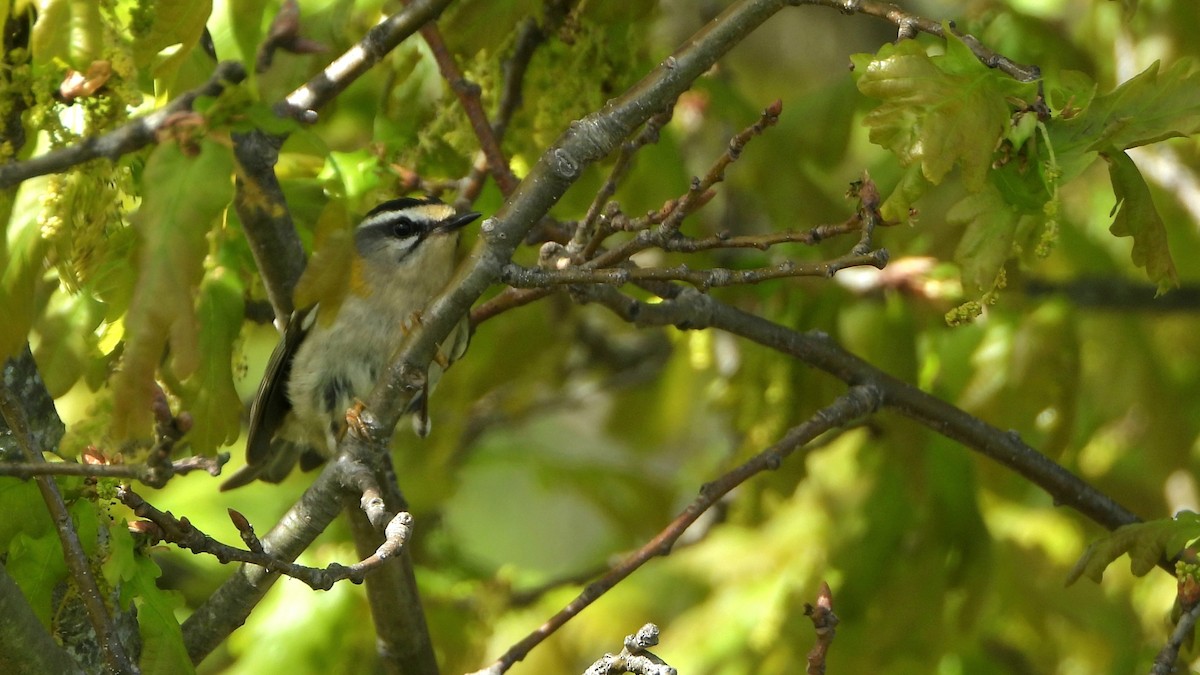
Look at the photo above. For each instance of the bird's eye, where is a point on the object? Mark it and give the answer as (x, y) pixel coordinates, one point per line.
(403, 229)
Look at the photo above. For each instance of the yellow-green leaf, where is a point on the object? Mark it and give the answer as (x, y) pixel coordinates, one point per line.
(937, 111)
(67, 349)
(209, 395)
(185, 196)
(988, 239)
(1146, 543)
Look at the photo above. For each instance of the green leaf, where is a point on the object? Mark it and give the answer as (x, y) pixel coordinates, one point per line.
(1137, 217)
(988, 240)
(23, 501)
(1146, 109)
(910, 188)
(209, 395)
(937, 111)
(36, 565)
(162, 639)
(1146, 543)
(171, 224)
(1070, 90)
(175, 32)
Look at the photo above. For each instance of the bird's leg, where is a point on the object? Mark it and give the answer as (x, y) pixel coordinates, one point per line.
(354, 421)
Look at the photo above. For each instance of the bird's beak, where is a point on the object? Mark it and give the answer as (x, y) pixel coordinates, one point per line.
(456, 223)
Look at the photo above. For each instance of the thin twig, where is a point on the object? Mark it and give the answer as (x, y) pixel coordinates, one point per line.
(154, 476)
(529, 37)
(182, 533)
(698, 193)
(825, 626)
(528, 277)
(588, 236)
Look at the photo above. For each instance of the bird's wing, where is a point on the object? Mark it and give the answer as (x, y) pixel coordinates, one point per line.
(271, 404)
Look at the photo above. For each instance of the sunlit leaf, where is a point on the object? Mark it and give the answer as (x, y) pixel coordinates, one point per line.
(1137, 217)
(70, 31)
(171, 224)
(67, 348)
(1145, 543)
(21, 254)
(21, 497)
(937, 111)
(174, 32)
(1070, 90)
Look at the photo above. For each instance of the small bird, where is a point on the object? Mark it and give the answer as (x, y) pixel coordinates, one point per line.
(404, 255)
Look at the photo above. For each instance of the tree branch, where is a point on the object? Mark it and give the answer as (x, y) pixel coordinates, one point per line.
(686, 308)
(528, 277)
(229, 606)
(132, 136)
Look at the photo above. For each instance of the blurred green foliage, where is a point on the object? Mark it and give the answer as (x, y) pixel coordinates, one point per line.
(566, 438)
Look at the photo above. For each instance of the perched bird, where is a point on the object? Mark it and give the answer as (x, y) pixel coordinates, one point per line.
(404, 254)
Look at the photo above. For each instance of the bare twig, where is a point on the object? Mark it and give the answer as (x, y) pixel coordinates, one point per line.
(587, 233)
(182, 533)
(230, 605)
(689, 309)
(762, 242)
(696, 196)
(529, 37)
